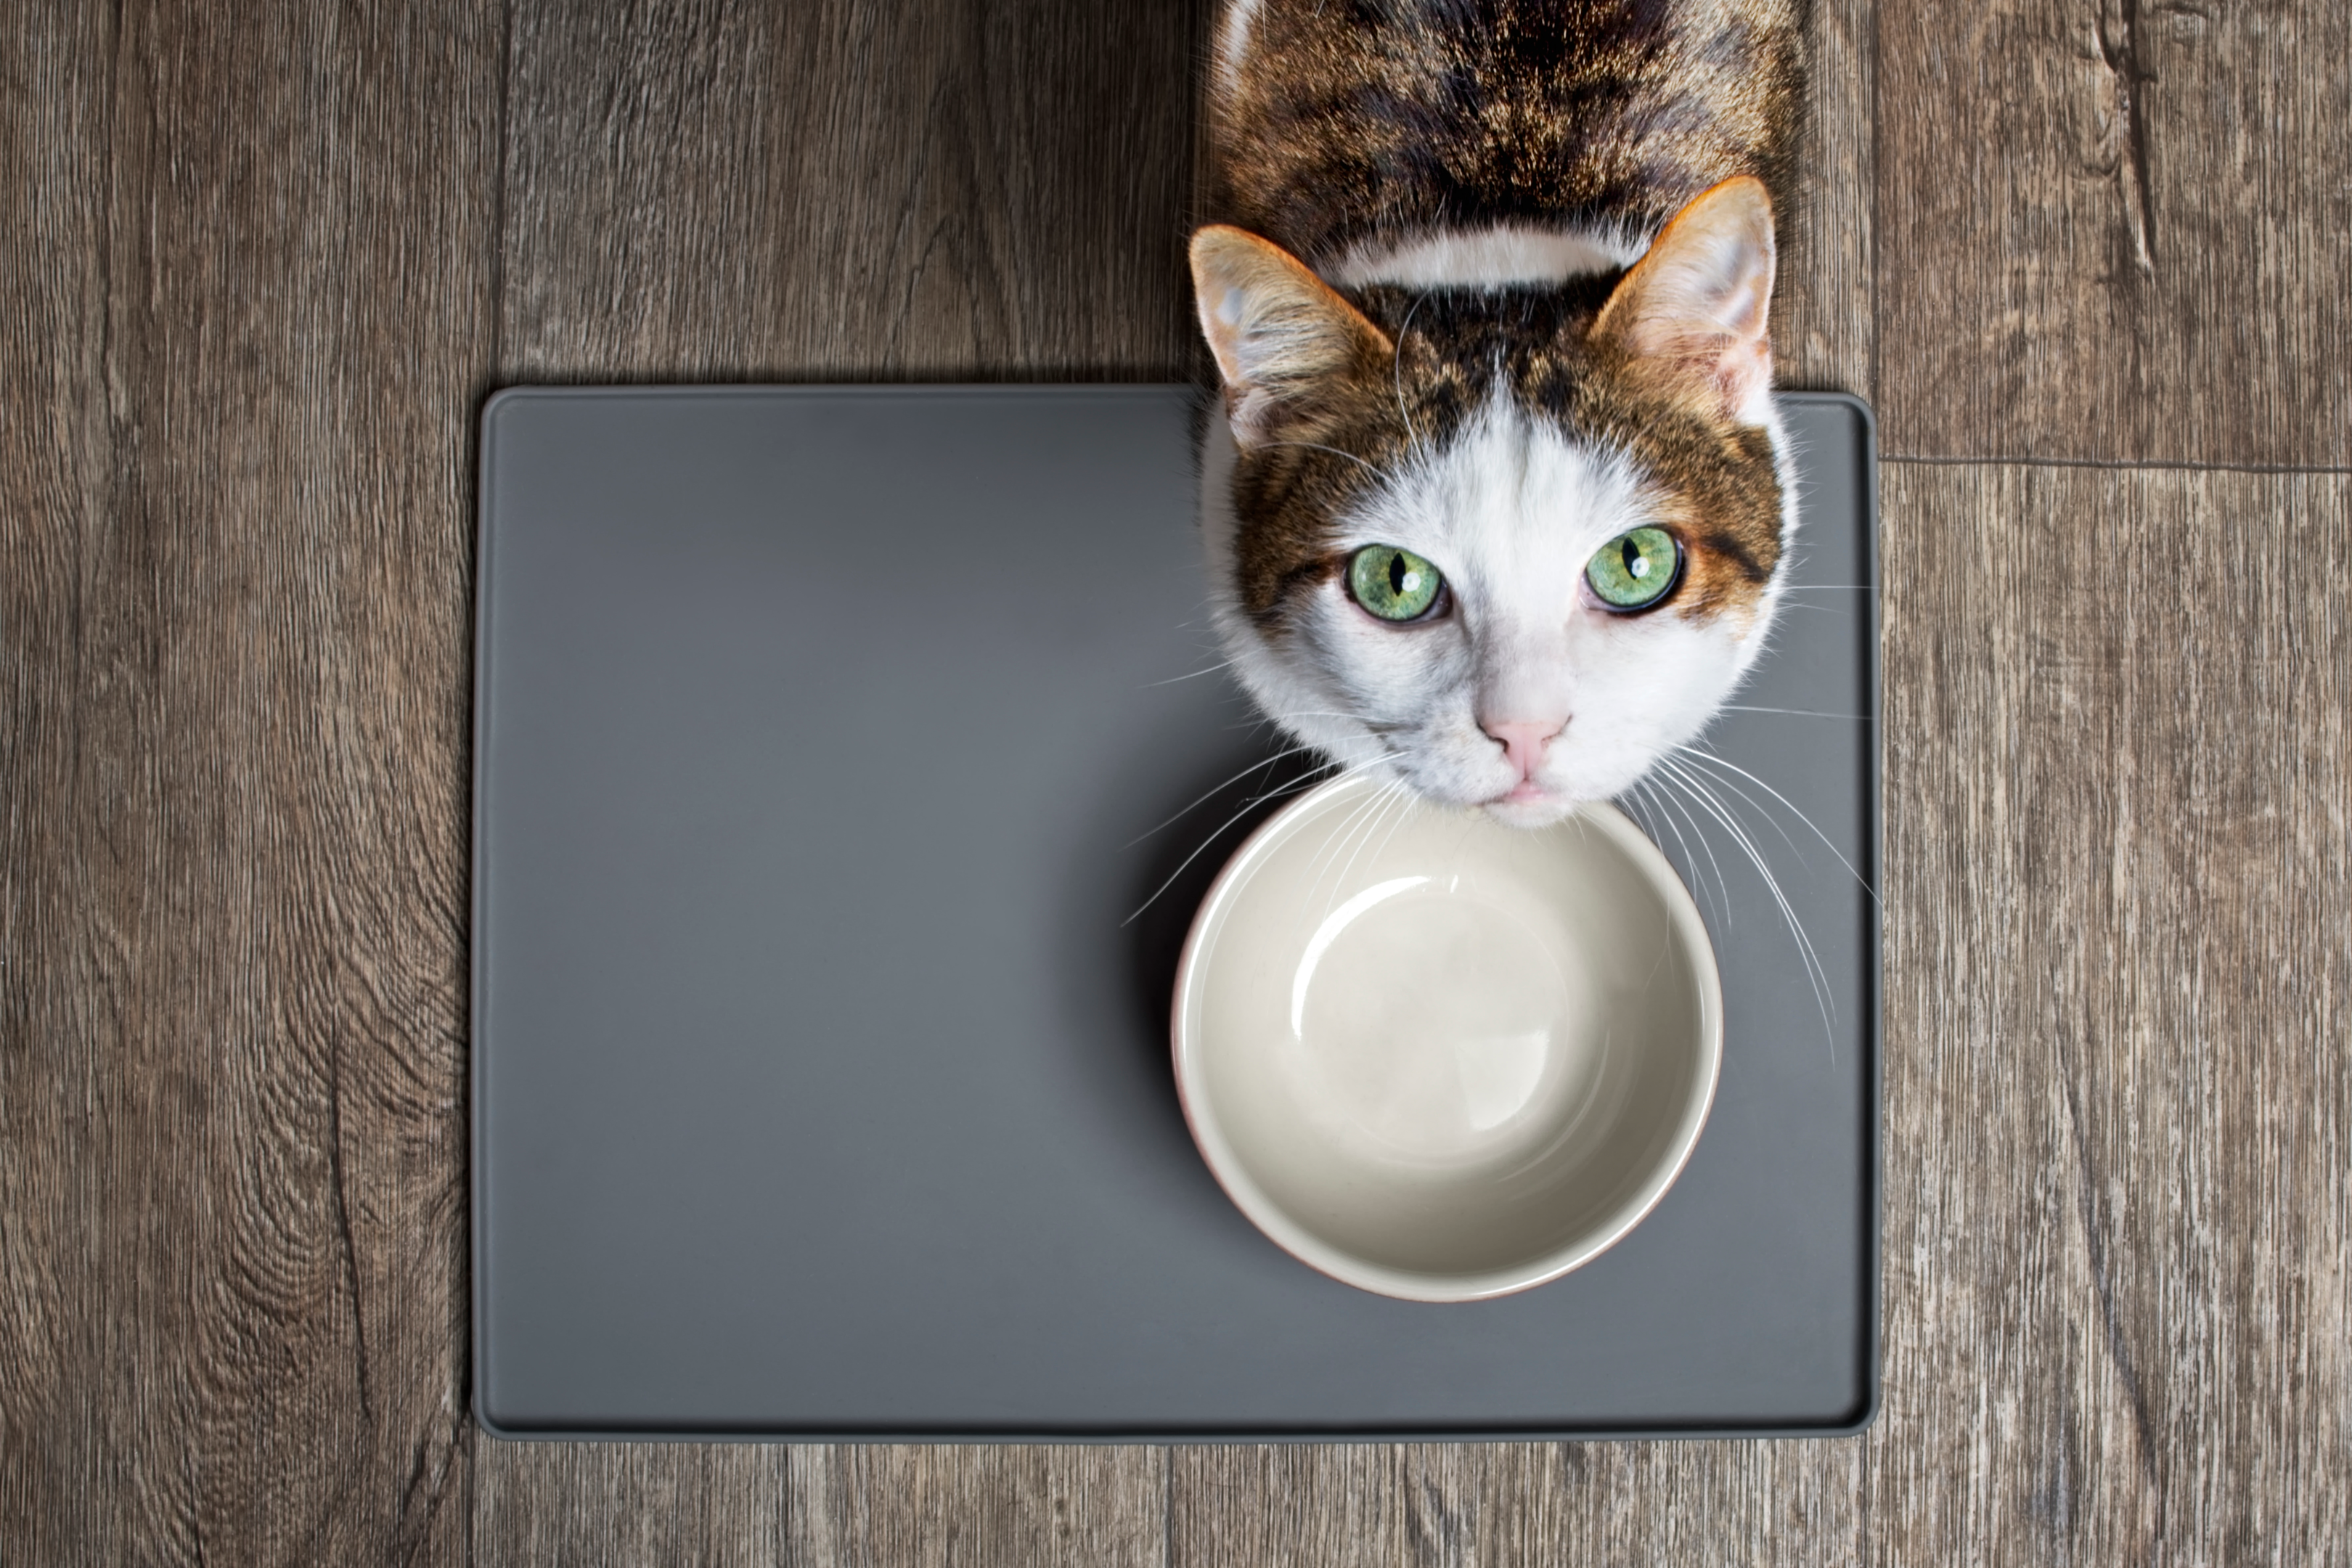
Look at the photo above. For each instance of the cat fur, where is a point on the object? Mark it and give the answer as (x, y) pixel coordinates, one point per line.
(1488, 282)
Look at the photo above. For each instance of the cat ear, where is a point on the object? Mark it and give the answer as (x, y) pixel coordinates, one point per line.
(1283, 339)
(1693, 312)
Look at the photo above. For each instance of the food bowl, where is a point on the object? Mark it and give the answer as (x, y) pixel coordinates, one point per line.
(1441, 1058)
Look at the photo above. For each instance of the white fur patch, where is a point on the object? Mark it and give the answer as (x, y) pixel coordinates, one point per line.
(1491, 257)
(1234, 39)
(1510, 510)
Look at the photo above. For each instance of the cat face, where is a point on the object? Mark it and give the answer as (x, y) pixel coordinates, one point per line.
(1508, 546)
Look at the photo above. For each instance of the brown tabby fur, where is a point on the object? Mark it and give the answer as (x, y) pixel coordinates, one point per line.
(1358, 123)
(1355, 118)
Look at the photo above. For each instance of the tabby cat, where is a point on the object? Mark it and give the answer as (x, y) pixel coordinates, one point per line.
(1501, 504)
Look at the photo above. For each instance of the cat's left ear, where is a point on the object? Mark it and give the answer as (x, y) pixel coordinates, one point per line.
(1285, 340)
(1693, 312)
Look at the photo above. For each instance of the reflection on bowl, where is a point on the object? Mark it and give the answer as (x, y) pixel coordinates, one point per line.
(1438, 1057)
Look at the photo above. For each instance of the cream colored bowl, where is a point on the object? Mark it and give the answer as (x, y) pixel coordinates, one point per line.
(1441, 1058)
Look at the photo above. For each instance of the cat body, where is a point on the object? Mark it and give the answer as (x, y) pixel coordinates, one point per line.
(1501, 504)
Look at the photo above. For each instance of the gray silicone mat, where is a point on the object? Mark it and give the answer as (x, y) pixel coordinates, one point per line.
(819, 1089)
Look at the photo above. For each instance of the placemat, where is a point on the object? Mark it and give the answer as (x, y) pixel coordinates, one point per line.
(828, 742)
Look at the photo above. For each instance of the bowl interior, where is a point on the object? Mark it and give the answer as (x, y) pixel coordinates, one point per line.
(1442, 1058)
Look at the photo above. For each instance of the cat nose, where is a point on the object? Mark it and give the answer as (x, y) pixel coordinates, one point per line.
(1524, 740)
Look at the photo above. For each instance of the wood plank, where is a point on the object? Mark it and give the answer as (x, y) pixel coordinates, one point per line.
(939, 1507)
(1576, 1505)
(55, 1440)
(628, 1504)
(2115, 231)
(916, 190)
(245, 298)
(1306, 1502)
(2118, 1101)
(587, 1503)
(1823, 334)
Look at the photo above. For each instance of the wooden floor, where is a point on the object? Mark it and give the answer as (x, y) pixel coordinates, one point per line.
(261, 264)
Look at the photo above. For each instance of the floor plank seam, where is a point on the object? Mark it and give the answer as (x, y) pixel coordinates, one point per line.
(2150, 464)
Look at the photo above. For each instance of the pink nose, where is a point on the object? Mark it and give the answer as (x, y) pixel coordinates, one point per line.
(1524, 742)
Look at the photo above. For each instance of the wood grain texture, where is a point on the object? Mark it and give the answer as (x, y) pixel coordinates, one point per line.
(2118, 1097)
(1824, 334)
(257, 269)
(2116, 230)
(838, 1507)
(845, 189)
(247, 310)
(1499, 1505)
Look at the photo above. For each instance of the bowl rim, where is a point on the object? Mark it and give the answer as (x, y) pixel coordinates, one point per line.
(1233, 1176)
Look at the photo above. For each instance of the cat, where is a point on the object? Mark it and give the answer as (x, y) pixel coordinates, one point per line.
(1499, 506)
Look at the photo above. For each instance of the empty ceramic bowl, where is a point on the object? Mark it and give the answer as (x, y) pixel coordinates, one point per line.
(1441, 1058)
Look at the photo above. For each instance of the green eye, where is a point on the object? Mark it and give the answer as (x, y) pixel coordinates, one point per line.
(1634, 571)
(1394, 585)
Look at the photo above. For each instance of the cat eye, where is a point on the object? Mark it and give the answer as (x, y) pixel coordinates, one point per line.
(1635, 570)
(1394, 585)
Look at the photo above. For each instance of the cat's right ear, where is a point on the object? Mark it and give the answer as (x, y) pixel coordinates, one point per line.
(1284, 340)
(1694, 314)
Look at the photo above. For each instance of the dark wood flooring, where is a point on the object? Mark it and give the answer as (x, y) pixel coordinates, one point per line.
(262, 262)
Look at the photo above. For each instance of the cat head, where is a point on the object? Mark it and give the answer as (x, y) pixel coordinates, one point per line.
(1508, 545)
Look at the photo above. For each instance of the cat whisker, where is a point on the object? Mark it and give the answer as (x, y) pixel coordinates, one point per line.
(1816, 973)
(1635, 802)
(1794, 713)
(1195, 675)
(1763, 810)
(1396, 371)
(1406, 800)
(1357, 831)
(1361, 816)
(1370, 467)
(1655, 803)
(1390, 794)
(1269, 720)
(1329, 853)
(1251, 804)
(1395, 800)
(1710, 757)
(1706, 845)
(1213, 791)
